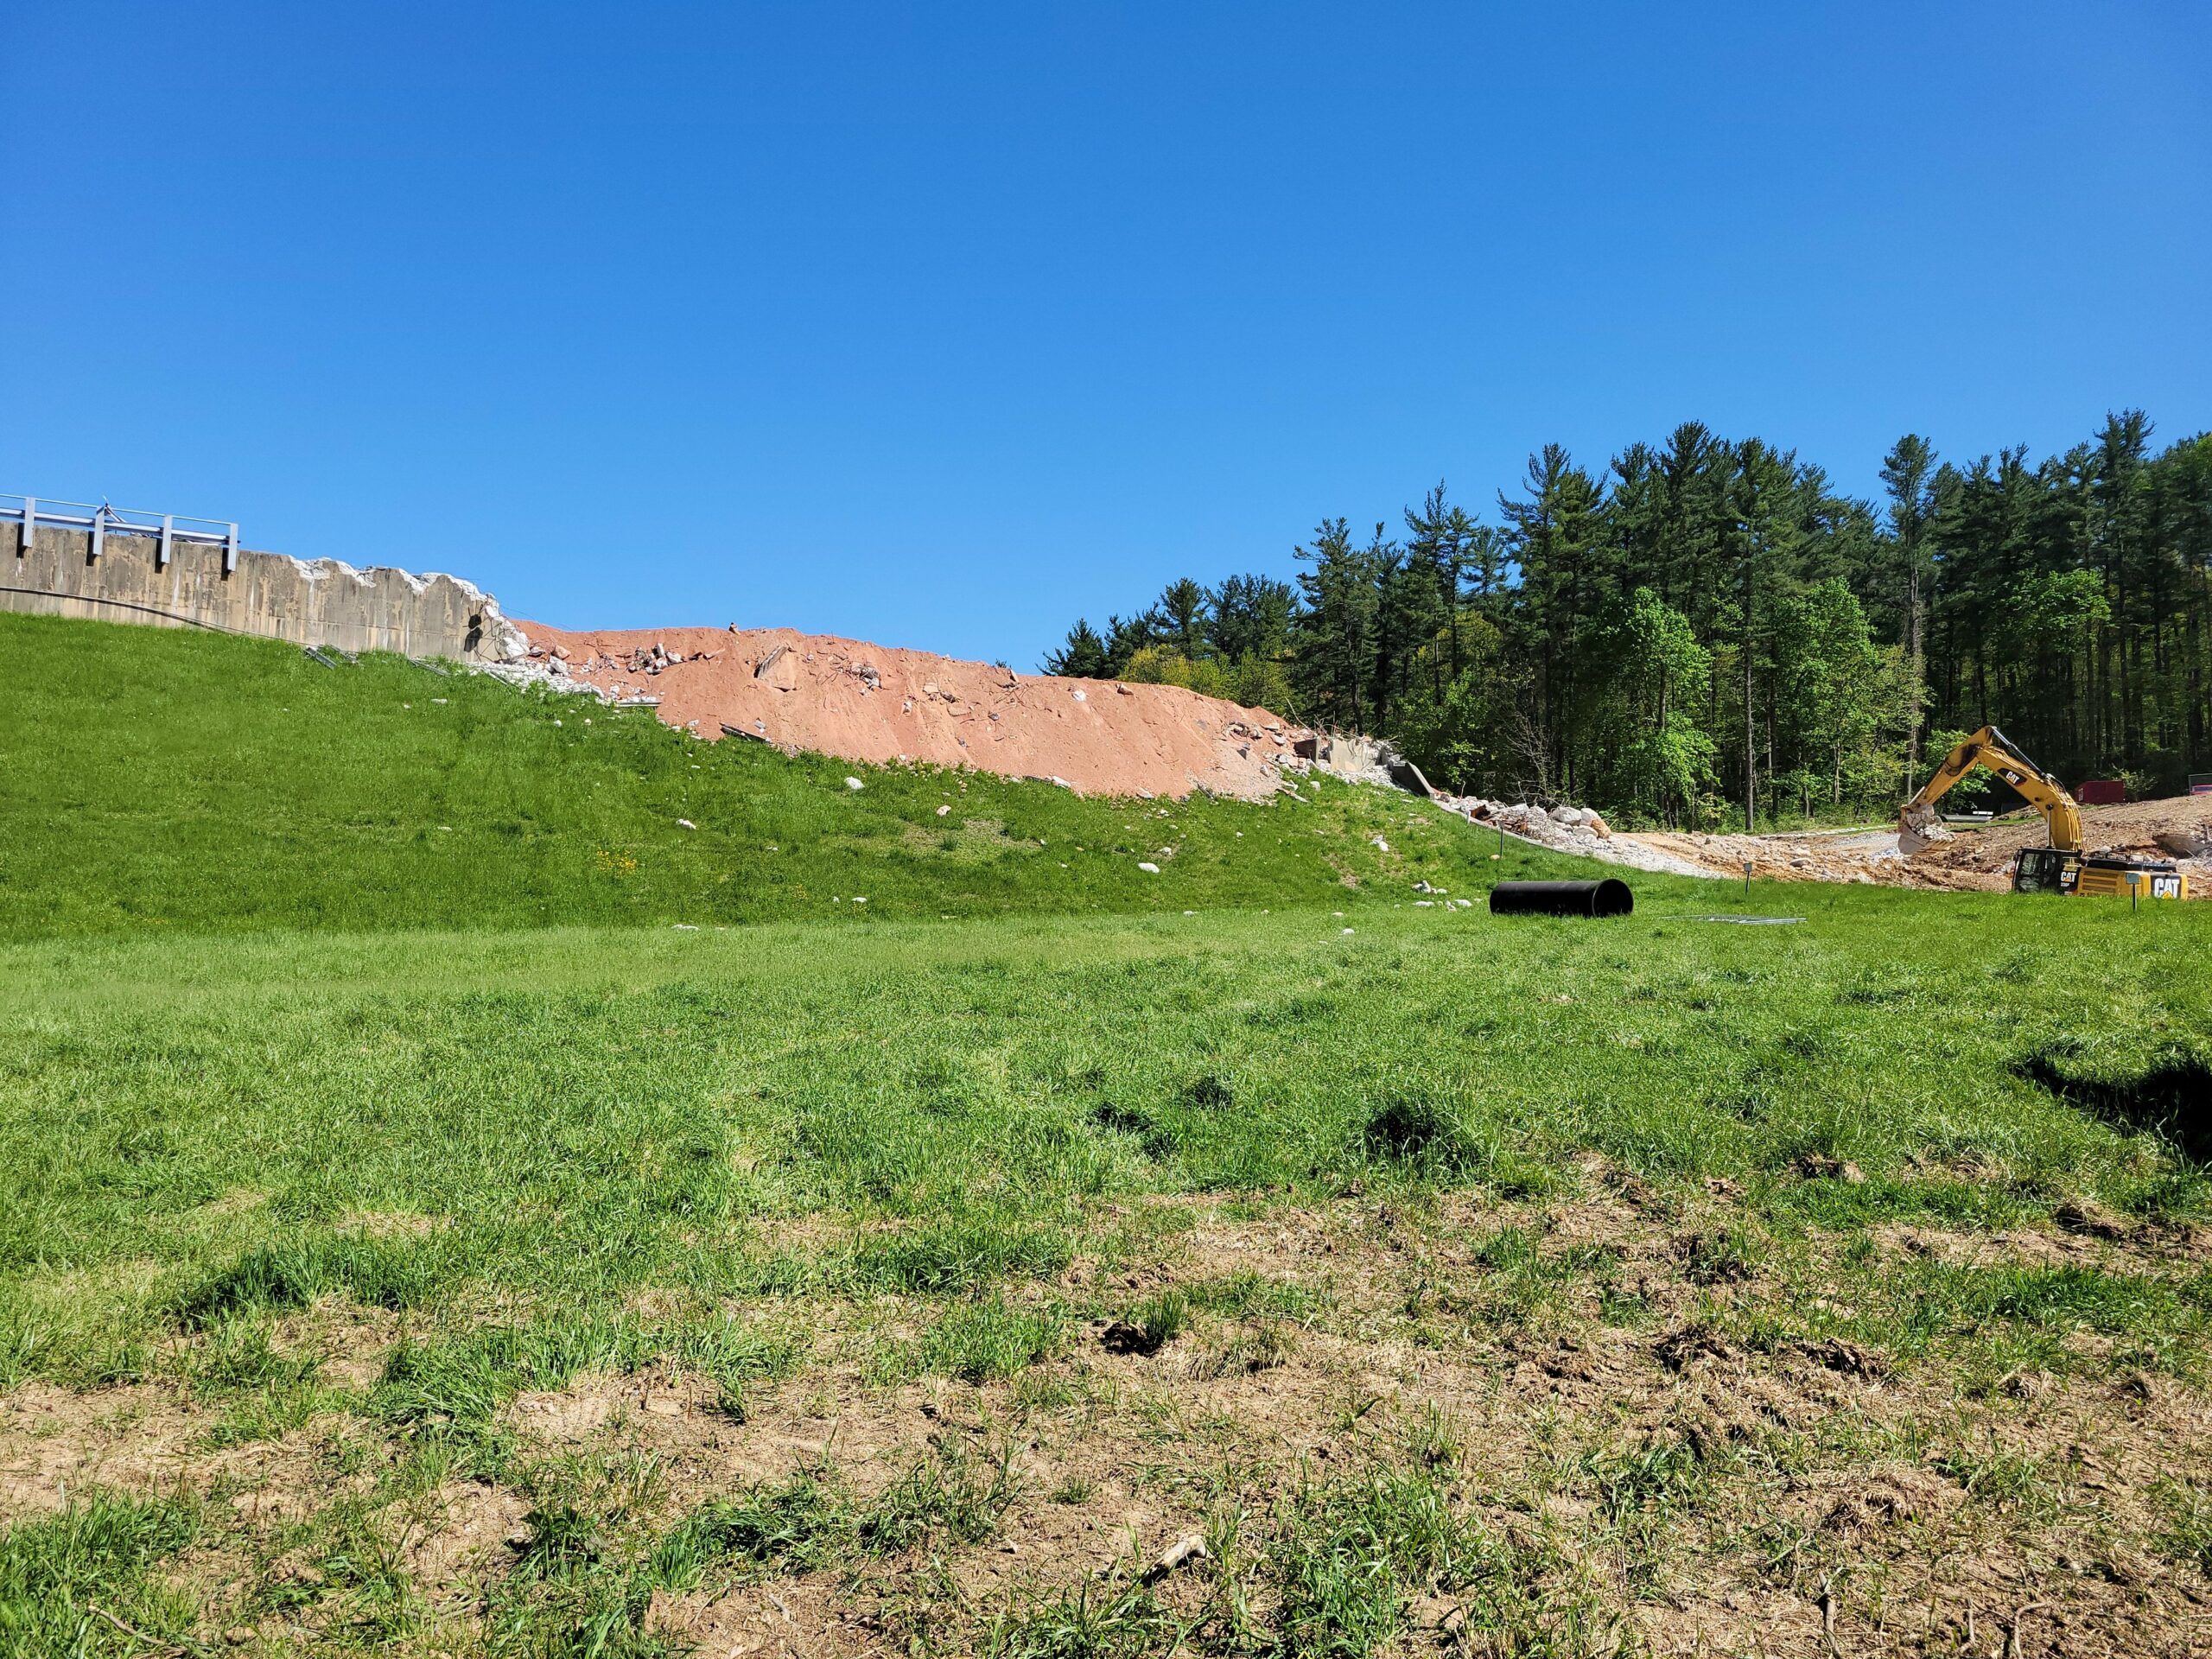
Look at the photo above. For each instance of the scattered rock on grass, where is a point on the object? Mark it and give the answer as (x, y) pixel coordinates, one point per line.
(1189, 1547)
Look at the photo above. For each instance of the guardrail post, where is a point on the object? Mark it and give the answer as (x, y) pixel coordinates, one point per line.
(231, 551)
(30, 523)
(99, 530)
(168, 528)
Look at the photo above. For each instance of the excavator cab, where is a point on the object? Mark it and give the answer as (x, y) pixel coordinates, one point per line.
(2047, 870)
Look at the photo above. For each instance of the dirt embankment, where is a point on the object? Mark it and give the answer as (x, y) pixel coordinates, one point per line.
(1971, 860)
(870, 702)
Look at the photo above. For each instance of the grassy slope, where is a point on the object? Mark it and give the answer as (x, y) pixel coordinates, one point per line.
(495, 1157)
(167, 780)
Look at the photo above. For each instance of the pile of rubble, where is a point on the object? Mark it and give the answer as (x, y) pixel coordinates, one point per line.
(640, 659)
(1563, 829)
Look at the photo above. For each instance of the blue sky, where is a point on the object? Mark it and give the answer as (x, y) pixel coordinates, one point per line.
(939, 326)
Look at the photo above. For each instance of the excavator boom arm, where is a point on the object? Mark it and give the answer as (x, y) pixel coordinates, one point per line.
(1990, 749)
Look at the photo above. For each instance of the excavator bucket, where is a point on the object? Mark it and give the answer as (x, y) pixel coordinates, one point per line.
(1920, 828)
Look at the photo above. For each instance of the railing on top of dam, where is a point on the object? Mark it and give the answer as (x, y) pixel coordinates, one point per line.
(29, 511)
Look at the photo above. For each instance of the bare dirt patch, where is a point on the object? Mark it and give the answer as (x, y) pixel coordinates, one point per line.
(455, 1535)
(55, 1444)
(810, 1617)
(830, 1417)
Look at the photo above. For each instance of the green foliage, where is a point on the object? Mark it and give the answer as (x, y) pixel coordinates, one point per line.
(1162, 1317)
(101, 1551)
(958, 1493)
(960, 1254)
(1813, 642)
(294, 1272)
(1084, 656)
(1353, 1553)
(1661, 760)
(804, 1523)
(571, 1114)
(2188, 1534)
(1460, 719)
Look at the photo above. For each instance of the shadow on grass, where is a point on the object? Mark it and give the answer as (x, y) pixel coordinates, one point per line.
(2171, 1097)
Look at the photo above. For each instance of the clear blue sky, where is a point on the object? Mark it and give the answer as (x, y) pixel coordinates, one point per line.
(939, 325)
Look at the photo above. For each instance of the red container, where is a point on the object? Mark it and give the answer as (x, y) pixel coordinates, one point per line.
(2101, 792)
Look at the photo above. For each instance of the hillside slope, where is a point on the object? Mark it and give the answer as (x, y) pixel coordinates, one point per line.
(159, 779)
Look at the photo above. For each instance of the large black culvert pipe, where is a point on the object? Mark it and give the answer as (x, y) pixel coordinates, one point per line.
(1610, 897)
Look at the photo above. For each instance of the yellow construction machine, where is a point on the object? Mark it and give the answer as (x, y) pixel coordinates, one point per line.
(2061, 866)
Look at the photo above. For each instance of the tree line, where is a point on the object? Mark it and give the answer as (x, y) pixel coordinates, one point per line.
(1709, 631)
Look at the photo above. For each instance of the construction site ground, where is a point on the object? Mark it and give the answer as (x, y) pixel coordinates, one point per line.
(1973, 859)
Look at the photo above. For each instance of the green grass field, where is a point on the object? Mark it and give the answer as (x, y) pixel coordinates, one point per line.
(564, 1232)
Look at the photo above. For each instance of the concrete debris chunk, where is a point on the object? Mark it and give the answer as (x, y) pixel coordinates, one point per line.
(1189, 1547)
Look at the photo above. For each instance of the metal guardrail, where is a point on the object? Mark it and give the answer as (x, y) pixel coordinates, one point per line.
(29, 511)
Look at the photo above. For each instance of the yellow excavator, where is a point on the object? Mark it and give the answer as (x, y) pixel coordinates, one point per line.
(2059, 868)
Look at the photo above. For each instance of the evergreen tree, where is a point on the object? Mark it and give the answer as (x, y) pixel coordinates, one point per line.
(1907, 471)
(1335, 636)
(1251, 617)
(1084, 656)
(1182, 617)
(1553, 533)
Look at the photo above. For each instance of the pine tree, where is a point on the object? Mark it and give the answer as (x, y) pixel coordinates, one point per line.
(2068, 599)
(1335, 636)
(1182, 613)
(1084, 656)
(1906, 470)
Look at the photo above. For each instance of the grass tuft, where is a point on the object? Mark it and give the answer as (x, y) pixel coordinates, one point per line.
(101, 1551)
(987, 1339)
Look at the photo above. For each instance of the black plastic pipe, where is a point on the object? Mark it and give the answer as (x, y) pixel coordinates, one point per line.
(1610, 897)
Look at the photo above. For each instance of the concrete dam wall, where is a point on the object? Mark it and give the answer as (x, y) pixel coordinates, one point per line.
(309, 602)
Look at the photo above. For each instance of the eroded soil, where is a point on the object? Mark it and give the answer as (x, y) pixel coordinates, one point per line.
(1670, 1430)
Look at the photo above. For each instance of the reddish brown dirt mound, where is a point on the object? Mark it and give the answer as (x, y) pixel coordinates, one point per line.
(867, 702)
